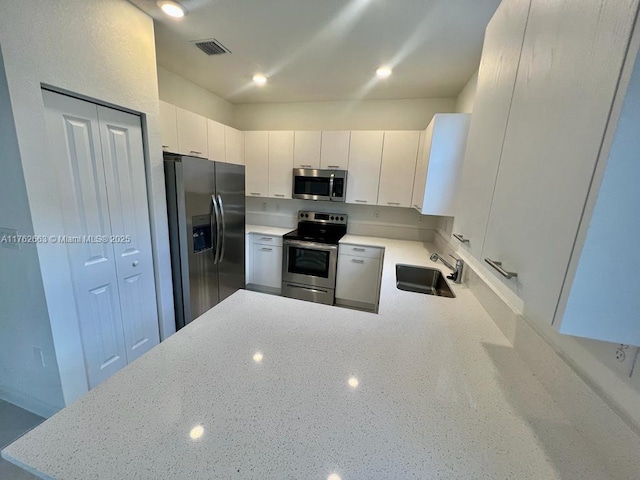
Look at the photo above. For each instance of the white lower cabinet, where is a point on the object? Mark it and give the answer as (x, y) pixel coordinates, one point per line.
(266, 263)
(358, 276)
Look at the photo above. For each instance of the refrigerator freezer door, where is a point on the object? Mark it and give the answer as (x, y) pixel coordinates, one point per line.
(231, 203)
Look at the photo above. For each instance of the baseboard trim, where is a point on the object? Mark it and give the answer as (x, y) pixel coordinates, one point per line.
(27, 402)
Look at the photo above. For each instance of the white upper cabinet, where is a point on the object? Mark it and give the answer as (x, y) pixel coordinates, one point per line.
(234, 147)
(570, 65)
(306, 149)
(439, 171)
(168, 127)
(612, 206)
(365, 156)
(192, 133)
(256, 155)
(399, 154)
(215, 141)
(496, 80)
(334, 150)
(280, 164)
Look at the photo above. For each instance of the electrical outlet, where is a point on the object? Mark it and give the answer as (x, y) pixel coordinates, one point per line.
(264, 206)
(376, 214)
(625, 356)
(277, 207)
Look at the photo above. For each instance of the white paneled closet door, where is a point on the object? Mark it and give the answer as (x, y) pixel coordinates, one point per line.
(123, 155)
(90, 159)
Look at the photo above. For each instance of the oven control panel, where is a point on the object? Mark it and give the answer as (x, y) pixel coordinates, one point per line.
(322, 217)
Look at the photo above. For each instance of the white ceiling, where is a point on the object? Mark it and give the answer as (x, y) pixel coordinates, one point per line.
(321, 50)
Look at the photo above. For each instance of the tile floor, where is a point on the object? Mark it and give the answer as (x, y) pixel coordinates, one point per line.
(14, 422)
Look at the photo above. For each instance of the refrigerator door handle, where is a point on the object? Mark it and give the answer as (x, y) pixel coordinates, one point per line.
(224, 229)
(216, 252)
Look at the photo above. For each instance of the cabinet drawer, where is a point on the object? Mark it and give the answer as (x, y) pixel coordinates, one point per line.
(360, 251)
(260, 239)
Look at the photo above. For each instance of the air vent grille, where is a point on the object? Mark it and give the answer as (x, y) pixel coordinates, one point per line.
(212, 47)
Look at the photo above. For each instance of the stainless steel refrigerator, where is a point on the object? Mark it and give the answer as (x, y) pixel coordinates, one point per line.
(206, 208)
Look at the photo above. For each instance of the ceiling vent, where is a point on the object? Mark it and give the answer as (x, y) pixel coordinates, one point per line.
(212, 47)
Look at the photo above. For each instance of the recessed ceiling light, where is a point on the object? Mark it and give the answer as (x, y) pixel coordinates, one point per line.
(353, 382)
(257, 357)
(334, 476)
(383, 72)
(259, 79)
(171, 8)
(196, 432)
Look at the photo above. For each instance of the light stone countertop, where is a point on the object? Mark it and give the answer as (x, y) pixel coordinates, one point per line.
(440, 394)
(275, 231)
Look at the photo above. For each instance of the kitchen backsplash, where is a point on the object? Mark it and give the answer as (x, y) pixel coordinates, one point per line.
(368, 220)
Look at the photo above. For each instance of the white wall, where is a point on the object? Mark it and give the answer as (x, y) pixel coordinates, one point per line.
(412, 114)
(101, 50)
(179, 91)
(24, 320)
(467, 97)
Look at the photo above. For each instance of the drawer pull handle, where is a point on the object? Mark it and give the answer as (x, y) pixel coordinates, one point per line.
(278, 195)
(393, 203)
(254, 193)
(306, 166)
(197, 153)
(498, 267)
(266, 238)
(460, 238)
(358, 249)
(361, 201)
(266, 249)
(165, 146)
(355, 260)
(333, 166)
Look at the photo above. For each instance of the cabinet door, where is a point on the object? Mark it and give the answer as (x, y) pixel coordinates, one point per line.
(280, 164)
(306, 150)
(420, 180)
(571, 60)
(216, 141)
(192, 133)
(256, 155)
(496, 80)
(234, 151)
(266, 268)
(123, 155)
(334, 150)
(74, 138)
(399, 154)
(358, 279)
(365, 156)
(169, 127)
(444, 166)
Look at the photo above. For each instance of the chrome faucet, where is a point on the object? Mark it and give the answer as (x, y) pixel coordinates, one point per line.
(456, 272)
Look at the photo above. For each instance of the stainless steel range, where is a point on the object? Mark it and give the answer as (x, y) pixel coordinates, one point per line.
(310, 256)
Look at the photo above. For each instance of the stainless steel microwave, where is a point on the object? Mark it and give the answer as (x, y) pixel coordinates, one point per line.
(329, 185)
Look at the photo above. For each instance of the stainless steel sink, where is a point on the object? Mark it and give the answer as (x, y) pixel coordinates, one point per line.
(422, 280)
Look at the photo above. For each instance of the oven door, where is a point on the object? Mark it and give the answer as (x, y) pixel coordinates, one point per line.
(309, 263)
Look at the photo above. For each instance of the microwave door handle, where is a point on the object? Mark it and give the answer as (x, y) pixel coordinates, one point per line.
(331, 187)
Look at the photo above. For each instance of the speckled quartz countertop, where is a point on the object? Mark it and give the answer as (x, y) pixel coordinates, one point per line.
(264, 387)
(275, 231)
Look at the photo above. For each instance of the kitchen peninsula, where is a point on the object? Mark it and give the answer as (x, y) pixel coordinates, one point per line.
(269, 387)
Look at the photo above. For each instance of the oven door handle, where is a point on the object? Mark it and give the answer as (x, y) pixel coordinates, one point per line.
(316, 246)
(310, 289)
(331, 187)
